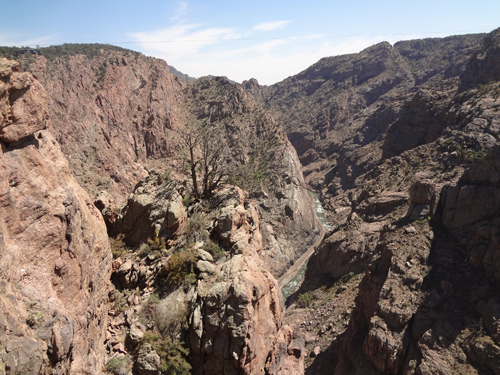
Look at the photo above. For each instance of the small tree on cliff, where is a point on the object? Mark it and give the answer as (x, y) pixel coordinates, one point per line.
(205, 154)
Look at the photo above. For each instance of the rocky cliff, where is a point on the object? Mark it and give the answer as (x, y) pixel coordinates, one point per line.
(117, 113)
(405, 285)
(265, 164)
(401, 143)
(345, 114)
(56, 263)
(213, 290)
(55, 260)
(110, 112)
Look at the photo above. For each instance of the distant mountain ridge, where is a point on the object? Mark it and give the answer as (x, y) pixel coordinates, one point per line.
(180, 75)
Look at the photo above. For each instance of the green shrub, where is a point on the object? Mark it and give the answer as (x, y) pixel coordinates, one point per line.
(101, 73)
(196, 226)
(117, 365)
(172, 354)
(166, 176)
(305, 299)
(187, 199)
(154, 298)
(158, 245)
(151, 338)
(347, 277)
(180, 265)
(120, 298)
(215, 249)
(118, 247)
(191, 278)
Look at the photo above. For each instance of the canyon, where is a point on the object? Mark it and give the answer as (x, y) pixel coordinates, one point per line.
(111, 264)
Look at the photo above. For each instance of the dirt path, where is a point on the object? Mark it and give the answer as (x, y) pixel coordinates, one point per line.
(292, 271)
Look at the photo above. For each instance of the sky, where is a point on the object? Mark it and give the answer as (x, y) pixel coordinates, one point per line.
(267, 40)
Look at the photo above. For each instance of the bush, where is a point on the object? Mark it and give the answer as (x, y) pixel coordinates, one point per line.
(180, 265)
(118, 247)
(157, 245)
(172, 354)
(166, 176)
(154, 298)
(187, 199)
(117, 365)
(215, 249)
(196, 227)
(305, 299)
(121, 299)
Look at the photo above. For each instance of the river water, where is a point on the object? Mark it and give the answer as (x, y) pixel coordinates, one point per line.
(289, 288)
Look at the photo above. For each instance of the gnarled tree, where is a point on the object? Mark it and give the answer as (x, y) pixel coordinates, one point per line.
(205, 153)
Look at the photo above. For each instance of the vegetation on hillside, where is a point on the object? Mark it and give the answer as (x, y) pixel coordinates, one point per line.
(26, 55)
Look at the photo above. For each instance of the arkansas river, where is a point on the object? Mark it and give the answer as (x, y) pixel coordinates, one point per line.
(290, 279)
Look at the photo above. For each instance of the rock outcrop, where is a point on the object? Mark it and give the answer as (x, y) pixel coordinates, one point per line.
(471, 209)
(123, 116)
(231, 303)
(55, 259)
(23, 103)
(148, 213)
(237, 323)
(346, 114)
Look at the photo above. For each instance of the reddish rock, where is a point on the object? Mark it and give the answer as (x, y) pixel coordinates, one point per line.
(54, 248)
(23, 103)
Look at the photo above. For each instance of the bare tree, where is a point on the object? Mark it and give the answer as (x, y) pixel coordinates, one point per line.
(205, 153)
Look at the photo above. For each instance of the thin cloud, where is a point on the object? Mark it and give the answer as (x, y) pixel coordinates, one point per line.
(270, 26)
(180, 11)
(314, 36)
(183, 40)
(20, 40)
(200, 51)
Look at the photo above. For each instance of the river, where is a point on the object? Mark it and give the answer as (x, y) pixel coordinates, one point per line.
(289, 288)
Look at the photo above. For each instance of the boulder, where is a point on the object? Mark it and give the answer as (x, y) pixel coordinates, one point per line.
(148, 361)
(155, 209)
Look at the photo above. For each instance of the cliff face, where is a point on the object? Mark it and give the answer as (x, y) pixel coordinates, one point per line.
(55, 260)
(413, 263)
(227, 308)
(110, 113)
(401, 142)
(118, 113)
(339, 113)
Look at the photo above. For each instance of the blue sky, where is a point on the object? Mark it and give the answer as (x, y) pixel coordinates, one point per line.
(267, 40)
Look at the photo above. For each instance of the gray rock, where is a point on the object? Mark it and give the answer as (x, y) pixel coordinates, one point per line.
(62, 337)
(296, 347)
(420, 211)
(148, 361)
(23, 355)
(315, 351)
(136, 333)
(125, 267)
(204, 255)
(205, 266)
